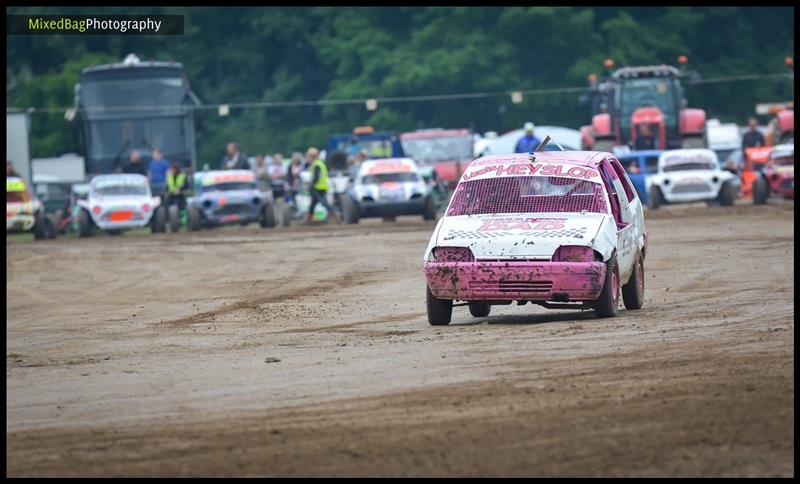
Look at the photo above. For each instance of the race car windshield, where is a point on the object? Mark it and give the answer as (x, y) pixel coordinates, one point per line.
(229, 187)
(692, 165)
(527, 194)
(120, 190)
(389, 177)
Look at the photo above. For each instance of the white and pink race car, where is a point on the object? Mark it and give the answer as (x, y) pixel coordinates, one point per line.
(558, 229)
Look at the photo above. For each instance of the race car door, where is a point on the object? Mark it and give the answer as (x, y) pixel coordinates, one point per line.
(624, 215)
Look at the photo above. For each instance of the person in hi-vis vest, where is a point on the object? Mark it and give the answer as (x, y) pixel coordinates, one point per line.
(320, 184)
(176, 186)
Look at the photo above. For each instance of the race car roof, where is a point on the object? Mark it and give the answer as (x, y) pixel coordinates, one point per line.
(387, 165)
(583, 158)
(225, 176)
(125, 178)
(683, 156)
(434, 133)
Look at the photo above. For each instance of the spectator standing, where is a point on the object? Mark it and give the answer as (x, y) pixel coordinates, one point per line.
(528, 142)
(157, 173)
(234, 159)
(135, 164)
(753, 137)
(320, 185)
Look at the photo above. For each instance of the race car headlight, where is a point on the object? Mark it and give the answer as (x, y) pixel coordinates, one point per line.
(96, 209)
(573, 253)
(207, 203)
(145, 208)
(256, 201)
(453, 254)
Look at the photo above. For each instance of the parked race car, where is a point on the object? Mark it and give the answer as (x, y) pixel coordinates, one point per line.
(230, 197)
(564, 230)
(387, 188)
(691, 175)
(25, 213)
(117, 203)
(777, 177)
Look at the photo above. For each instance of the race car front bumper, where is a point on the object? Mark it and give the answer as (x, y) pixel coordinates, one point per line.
(516, 281)
(19, 223)
(232, 213)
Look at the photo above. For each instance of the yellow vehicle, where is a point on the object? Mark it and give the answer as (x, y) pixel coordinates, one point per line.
(25, 213)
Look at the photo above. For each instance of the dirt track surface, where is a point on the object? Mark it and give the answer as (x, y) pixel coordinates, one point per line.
(306, 352)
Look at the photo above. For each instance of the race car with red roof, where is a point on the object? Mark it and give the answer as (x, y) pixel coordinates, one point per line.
(446, 152)
(691, 175)
(777, 176)
(387, 188)
(25, 213)
(119, 202)
(229, 197)
(557, 229)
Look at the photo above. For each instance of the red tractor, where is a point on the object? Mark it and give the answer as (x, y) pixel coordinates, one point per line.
(644, 108)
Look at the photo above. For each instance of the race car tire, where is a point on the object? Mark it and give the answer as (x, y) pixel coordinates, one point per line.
(389, 218)
(351, 214)
(479, 309)
(174, 218)
(633, 291)
(44, 227)
(726, 194)
(267, 216)
(430, 209)
(654, 197)
(158, 225)
(606, 305)
(440, 311)
(760, 191)
(84, 224)
(195, 219)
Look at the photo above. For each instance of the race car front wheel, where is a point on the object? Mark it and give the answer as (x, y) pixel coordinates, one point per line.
(159, 221)
(726, 194)
(84, 224)
(633, 291)
(760, 191)
(440, 311)
(267, 216)
(174, 218)
(430, 209)
(195, 219)
(351, 215)
(606, 305)
(479, 309)
(654, 197)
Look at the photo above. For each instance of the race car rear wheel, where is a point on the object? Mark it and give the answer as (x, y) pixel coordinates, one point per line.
(726, 194)
(430, 209)
(633, 291)
(606, 305)
(195, 219)
(174, 218)
(479, 309)
(267, 216)
(351, 214)
(84, 224)
(440, 311)
(760, 191)
(158, 224)
(654, 197)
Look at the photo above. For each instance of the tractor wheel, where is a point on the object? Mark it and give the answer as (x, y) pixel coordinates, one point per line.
(267, 216)
(760, 191)
(351, 214)
(174, 218)
(606, 305)
(633, 291)
(195, 219)
(440, 311)
(158, 224)
(654, 197)
(479, 309)
(430, 209)
(84, 224)
(726, 194)
(606, 145)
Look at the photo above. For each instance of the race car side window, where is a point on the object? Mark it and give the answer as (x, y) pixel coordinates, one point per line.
(626, 183)
(651, 163)
(612, 194)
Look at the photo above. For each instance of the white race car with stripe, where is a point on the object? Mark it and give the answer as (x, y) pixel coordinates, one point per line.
(562, 230)
(691, 175)
(120, 202)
